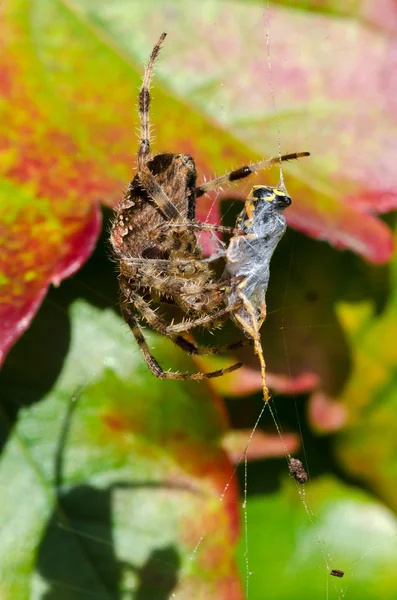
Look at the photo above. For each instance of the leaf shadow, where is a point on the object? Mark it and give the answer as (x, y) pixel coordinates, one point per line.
(77, 555)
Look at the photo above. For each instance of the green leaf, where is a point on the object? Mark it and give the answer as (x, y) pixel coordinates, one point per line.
(117, 504)
(345, 529)
(367, 446)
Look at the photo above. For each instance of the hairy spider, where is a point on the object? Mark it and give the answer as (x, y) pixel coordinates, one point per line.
(154, 240)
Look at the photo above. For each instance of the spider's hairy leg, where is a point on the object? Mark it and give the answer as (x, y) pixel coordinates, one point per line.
(158, 324)
(210, 319)
(202, 227)
(166, 280)
(144, 105)
(194, 350)
(214, 319)
(152, 363)
(167, 209)
(245, 171)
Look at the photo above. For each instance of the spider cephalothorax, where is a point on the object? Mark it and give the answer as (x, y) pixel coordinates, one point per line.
(154, 240)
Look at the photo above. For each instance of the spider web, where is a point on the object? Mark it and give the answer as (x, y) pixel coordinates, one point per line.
(317, 540)
(272, 408)
(329, 564)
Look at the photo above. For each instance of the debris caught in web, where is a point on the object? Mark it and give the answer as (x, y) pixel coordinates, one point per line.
(297, 471)
(337, 573)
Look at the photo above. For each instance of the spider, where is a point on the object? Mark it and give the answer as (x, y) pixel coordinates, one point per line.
(154, 241)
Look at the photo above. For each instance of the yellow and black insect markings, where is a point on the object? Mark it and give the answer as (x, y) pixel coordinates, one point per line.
(266, 193)
(262, 192)
(249, 209)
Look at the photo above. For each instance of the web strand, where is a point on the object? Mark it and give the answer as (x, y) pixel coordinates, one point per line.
(272, 91)
(272, 409)
(300, 488)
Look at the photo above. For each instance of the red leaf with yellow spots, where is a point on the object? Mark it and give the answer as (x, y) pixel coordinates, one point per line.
(50, 180)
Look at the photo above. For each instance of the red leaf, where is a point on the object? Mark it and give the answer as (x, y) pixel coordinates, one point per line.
(262, 445)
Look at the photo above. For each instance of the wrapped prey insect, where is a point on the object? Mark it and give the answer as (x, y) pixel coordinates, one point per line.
(260, 226)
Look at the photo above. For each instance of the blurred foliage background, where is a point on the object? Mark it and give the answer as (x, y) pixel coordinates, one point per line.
(117, 485)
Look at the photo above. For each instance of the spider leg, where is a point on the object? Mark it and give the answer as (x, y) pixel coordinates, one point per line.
(158, 275)
(195, 350)
(152, 363)
(214, 318)
(202, 227)
(148, 181)
(144, 105)
(184, 326)
(161, 326)
(177, 290)
(167, 209)
(245, 171)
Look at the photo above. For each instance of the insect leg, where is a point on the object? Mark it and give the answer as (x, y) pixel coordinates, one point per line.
(253, 331)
